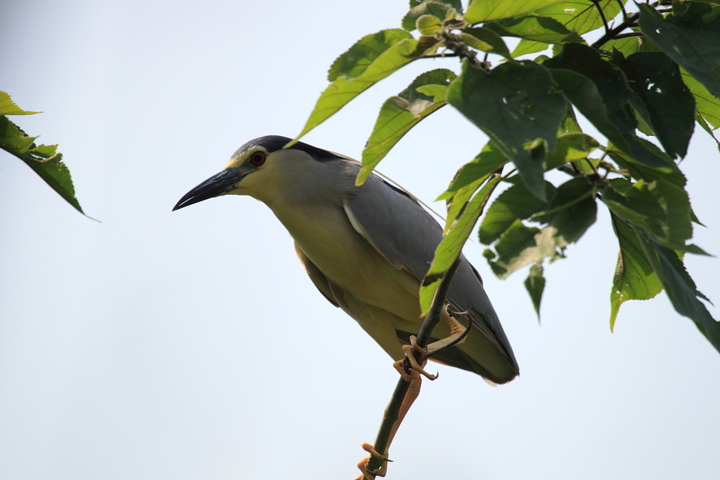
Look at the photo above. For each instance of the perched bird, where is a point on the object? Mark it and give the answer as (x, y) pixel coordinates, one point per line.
(366, 248)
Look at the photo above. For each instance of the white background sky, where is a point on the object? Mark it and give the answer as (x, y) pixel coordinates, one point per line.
(191, 345)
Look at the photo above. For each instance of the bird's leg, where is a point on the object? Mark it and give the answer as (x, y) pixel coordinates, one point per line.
(415, 367)
(362, 464)
(417, 358)
(409, 398)
(458, 333)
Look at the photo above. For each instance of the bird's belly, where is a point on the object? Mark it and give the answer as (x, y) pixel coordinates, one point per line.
(350, 262)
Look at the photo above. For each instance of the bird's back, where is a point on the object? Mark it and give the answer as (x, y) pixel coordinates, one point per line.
(408, 234)
(378, 281)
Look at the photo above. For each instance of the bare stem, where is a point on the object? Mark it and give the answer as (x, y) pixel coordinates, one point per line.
(602, 15)
(622, 7)
(629, 34)
(440, 55)
(610, 35)
(433, 316)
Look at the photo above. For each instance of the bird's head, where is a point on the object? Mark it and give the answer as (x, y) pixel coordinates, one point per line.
(262, 168)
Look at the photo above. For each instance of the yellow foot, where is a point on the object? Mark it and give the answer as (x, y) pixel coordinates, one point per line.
(458, 334)
(415, 368)
(362, 464)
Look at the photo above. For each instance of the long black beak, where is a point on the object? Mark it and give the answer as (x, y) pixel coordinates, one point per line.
(219, 184)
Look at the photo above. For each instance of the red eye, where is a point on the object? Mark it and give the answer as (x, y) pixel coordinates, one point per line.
(257, 158)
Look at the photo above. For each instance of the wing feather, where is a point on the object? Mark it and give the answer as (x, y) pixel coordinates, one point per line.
(407, 235)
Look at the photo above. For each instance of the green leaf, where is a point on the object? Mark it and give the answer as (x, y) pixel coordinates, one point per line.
(581, 16)
(458, 200)
(42, 159)
(364, 52)
(518, 107)
(695, 250)
(705, 126)
(669, 104)
(640, 171)
(661, 208)
(451, 245)
(571, 223)
(680, 288)
(456, 4)
(457, 203)
(525, 47)
(627, 46)
(486, 162)
(517, 248)
(8, 107)
(429, 25)
(588, 166)
(485, 40)
(536, 29)
(485, 10)
(634, 277)
(565, 196)
(515, 203)
(57, 175)
(706, 105)
(571, 212)
(381, 58)
(13, 139)
(535, 284)
(692, 40)
(600, 92)
(569, 123)
(439, 9)
(570, 147)
(400, 113)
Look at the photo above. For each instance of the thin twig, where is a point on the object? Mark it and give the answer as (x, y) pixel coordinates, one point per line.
(386, 430)
(587, 160)
(630, 22)
(391, 415)
(460, 48)
(602, 15)
(507, 175)
(433, 316)
(440, 55)
(628, 35)
(622, 7)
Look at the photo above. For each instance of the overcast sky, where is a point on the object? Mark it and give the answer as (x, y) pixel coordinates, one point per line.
(191, 345)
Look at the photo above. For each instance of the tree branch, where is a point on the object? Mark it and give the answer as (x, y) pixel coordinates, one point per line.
(602, 15)
(622, 7)
(629, 34)
(453, 43)
(392, 415)
(433, 316)
(630, 22)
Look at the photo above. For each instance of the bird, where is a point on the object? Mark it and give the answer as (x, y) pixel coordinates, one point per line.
(366, 248)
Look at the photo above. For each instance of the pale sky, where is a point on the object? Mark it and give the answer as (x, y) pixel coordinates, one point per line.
(191, 345)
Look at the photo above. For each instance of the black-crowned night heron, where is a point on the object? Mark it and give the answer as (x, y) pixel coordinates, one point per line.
(365, 248)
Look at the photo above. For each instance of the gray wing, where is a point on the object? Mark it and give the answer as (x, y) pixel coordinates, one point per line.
(406, 235)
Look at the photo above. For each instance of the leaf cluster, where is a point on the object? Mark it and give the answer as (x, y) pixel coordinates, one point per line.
(648, 77)
(43, 159)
